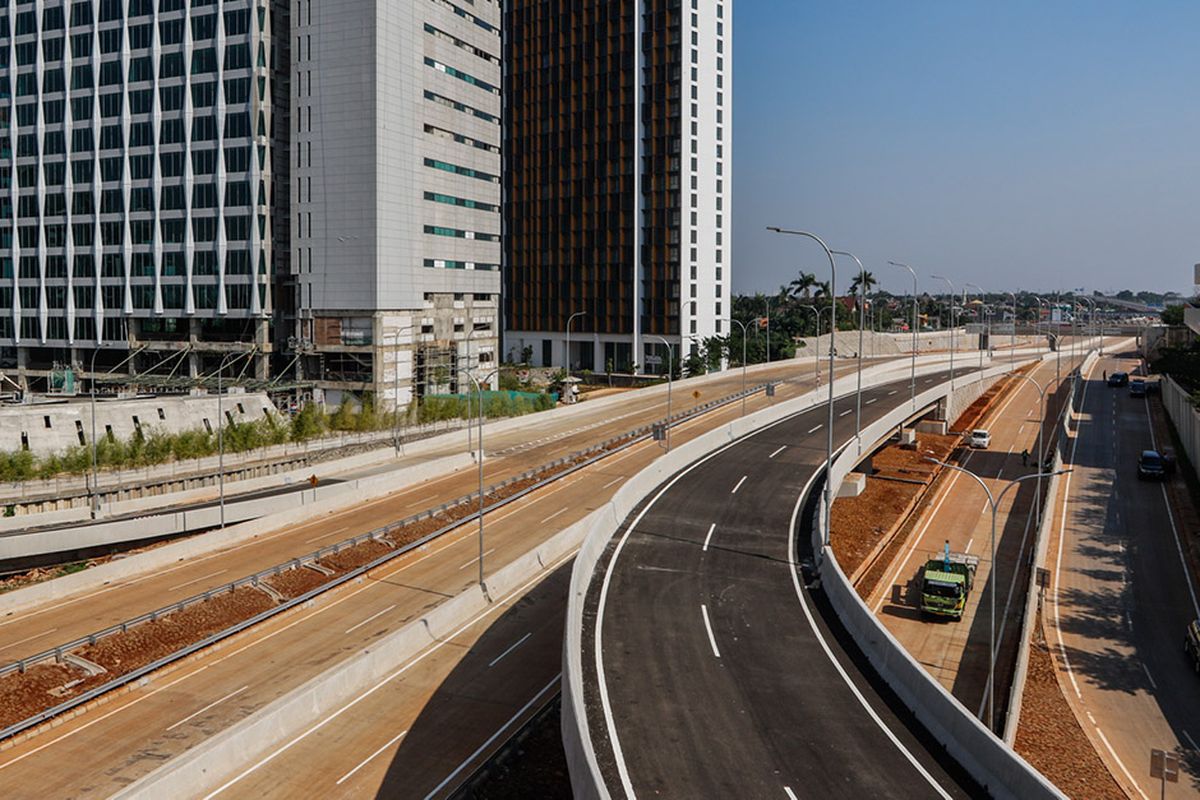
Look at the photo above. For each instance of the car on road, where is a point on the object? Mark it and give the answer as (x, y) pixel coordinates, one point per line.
(980, 439)
(1137, 388)
(1151, 466)
(1118, 379)
(1191, 643)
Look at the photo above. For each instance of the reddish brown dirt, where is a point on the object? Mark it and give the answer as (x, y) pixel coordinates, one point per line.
(22, 696)
(860, 523)
(124, 652)
(1049, 736)
(296, 582)
(355, 557)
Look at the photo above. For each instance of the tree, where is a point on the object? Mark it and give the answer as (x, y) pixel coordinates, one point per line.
(802, 286)
(864, 279)
(1172, 315)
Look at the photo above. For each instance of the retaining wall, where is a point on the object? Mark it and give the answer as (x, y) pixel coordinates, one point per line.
(1184, 416)
(982, 754)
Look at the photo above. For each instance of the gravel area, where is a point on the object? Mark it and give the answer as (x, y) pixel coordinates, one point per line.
(1050, 738)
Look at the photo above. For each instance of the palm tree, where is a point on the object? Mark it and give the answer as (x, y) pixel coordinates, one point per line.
(803, 285)
(822, 290)
(866, 280)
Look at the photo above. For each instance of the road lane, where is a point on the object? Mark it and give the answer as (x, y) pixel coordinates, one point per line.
(1120, 597)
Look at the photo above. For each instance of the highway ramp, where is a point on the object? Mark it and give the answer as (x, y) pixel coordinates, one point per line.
(722, 673)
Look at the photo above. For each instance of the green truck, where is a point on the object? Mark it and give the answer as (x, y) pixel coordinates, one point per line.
(945, 583)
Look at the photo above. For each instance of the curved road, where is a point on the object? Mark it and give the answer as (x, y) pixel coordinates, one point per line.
(721, 672)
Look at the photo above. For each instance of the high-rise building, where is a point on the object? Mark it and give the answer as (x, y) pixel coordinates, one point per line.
(396, 184)
(138, 197)
(618, 153)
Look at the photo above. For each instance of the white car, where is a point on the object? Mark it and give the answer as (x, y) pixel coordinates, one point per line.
(980, 439)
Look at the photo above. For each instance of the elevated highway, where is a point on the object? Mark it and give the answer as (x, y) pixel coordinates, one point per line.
(713, 665)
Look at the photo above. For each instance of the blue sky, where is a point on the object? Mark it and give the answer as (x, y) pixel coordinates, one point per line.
(1039, 145)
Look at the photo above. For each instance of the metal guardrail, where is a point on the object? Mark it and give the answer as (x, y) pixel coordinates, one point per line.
(591, 454)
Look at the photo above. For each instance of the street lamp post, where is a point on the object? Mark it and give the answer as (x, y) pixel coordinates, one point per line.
(479, 460)
(994, 502)
(221, 433)
(950, 295)
(570, 319)
(95, 476)
(817, 343)
(745, 335)
(862, 312)
(832, 327)
(912, 272)
(1012, 339)
(979, 290)
(768, 302)
(1041, 303)
(670, 382)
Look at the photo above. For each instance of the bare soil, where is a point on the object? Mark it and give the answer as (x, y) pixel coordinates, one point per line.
(1050, 738)
(355, 557)
(296, 582)
(22, 696)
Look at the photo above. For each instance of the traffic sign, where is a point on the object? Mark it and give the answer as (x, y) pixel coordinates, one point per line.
(1164, 765)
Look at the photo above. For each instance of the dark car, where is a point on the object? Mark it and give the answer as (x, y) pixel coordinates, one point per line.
(1137, 388)
(1151, 466)
(1118, 379)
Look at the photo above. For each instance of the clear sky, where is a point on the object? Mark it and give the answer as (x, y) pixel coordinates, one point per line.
(1035, 144)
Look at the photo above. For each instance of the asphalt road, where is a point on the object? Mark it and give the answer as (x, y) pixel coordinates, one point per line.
(1121, 597)
(725, 675)
(127, 737)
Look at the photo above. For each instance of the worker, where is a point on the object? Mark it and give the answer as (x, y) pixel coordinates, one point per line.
(1025, 457)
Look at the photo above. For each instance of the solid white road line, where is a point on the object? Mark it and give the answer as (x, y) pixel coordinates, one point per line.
(376, 615)
(364, 762)
(197, 580)
(555, 514)
(512, 647)
(1191, 741)
(29, 638)
(814, 430)
(712, 640)
(476, 558)
(494, 736)
(707, 538)
(795, 570)
(207, 707)
(788, 791)
(778, 451)
(739, 484)
(412, 663)
(614, 480)
(1120, 763)
(1187, 575)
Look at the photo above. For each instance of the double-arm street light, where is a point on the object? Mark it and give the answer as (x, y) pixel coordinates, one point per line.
(1012, 339)
(745, 335)
(817, 341)
(670, 381)
(832, 327)
(862, 319)
(951, 296)
(912, 272)
(479, 459)
(994, 502)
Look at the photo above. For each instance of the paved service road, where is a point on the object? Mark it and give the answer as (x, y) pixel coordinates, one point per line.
(956, 652)
(725, 676)
(1122, 596)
